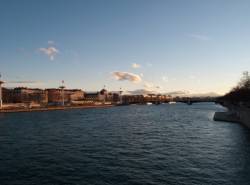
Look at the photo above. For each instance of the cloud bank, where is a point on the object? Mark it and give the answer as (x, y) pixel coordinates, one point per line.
(126, 76)
(51, 52)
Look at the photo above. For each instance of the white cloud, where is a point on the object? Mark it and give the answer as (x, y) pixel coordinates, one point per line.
(141, 74)
(50, 52)
(135, 65)
(51, 42)
(165, 79)
(123, 76)
(199, 37)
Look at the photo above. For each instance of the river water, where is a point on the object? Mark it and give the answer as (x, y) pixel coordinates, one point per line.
(127, 145)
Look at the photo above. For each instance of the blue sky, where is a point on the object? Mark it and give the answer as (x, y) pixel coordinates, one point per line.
(196, 46)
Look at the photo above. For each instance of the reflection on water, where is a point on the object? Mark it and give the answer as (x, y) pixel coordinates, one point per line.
(164, 144)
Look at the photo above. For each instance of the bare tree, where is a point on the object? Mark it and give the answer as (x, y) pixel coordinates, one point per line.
(245, 81)
(240, 93)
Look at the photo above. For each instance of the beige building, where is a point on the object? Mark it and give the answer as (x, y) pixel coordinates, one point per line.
(25, 95)
(56, 96)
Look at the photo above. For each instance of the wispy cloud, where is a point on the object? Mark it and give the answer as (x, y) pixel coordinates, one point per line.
(164, 78)
(151, 86)
(126, 76)
(199, 37)
(51, 52)
(135, 65)
(24, 82)
(51, 42)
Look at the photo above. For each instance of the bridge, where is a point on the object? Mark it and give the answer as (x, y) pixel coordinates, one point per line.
(159, 99)
(191, 100)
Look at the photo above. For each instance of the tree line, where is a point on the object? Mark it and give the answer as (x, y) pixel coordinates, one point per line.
(240, 93)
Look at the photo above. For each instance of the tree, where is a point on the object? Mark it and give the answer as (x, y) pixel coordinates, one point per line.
(240, 93)
(245, 81)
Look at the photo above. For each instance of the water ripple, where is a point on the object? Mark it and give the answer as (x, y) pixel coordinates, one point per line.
(165, 144)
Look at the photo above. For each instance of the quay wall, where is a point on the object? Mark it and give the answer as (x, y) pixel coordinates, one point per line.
(53, 108)
(238, 113)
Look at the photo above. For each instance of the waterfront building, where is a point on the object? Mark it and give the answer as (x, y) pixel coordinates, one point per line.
(113, 97)
(92, 96)
(142, 99)
(56, 97)
(131, 99)
(7, 95)
(97, 96)
(102, 96)
(40, 96)
(74, 94)
(25, 95)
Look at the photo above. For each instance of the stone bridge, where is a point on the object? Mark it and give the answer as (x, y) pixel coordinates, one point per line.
(159, 99)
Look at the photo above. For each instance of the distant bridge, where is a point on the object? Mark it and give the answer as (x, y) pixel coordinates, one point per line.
(159, 99)
(191, 100)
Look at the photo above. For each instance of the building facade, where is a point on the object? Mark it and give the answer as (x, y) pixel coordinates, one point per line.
(57, 96)
(25, 95)
(102, 96)
(40, 96)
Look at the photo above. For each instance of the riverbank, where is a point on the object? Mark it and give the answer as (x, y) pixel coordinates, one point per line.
(237, 113)
(53, 108)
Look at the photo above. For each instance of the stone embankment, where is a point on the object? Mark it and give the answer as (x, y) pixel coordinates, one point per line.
(238, 113)
(52, 108)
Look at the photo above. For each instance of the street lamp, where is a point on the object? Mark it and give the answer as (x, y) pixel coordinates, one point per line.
(1, 94)
(120, 93)
(62, 87)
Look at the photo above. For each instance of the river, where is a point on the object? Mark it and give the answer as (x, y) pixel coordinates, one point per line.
(125, 145)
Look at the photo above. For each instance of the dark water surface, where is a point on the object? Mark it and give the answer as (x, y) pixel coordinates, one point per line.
(165, 144)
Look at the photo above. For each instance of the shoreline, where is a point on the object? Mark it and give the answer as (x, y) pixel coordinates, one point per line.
(55, 108)
(236, 113)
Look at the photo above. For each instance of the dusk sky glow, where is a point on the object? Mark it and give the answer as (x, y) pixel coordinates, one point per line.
(161, 45)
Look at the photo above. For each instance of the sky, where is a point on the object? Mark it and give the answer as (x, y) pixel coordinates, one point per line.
(161, 45)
